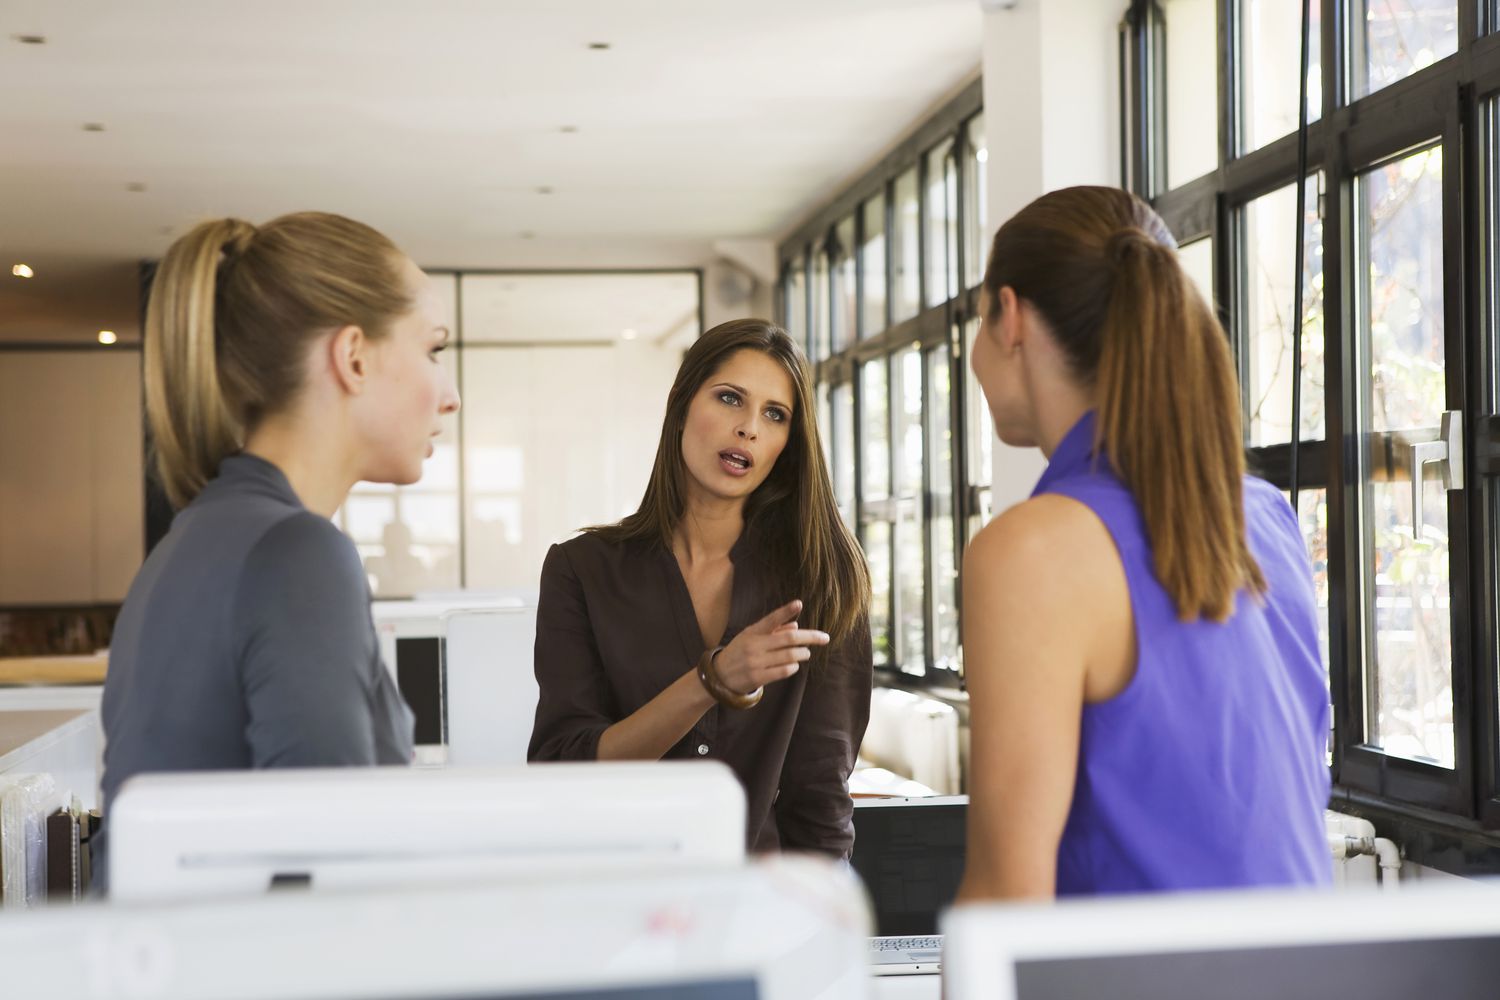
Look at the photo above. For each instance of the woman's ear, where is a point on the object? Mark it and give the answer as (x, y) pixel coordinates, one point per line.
(349, 358)
(1012, 325)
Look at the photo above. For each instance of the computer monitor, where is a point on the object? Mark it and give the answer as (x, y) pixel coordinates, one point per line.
(490, 688)
(1436, 940)
(243, 832)
(780, 929)
(411, 636)
(910, 854)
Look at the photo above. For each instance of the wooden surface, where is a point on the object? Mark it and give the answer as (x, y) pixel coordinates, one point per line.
(53, 670)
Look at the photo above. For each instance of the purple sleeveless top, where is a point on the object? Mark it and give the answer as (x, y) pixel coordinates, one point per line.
(1209, 769)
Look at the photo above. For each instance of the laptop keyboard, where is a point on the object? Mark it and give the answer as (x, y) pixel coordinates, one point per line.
(934, 943)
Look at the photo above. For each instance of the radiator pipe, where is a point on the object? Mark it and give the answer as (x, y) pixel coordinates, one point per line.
(1385, 852)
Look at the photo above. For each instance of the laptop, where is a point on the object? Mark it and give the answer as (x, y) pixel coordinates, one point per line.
(910, 854)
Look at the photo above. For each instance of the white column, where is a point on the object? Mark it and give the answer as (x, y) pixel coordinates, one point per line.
(1051, 117)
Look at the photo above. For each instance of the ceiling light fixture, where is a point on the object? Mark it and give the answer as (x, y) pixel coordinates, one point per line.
(30, 39)
(527, 234)
(93, 127)
(544, 189)
(599, 46)
(22, 270)
(107, 337)
(568, 129)
(135, 187)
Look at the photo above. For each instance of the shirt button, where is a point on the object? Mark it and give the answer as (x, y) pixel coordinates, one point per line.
(702, 749)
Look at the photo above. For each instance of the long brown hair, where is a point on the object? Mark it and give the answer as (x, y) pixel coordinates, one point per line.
(1101, 267)
(808, 549)
(231, 312)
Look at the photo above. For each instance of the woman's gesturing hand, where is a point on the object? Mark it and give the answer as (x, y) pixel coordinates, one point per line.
(771, 650)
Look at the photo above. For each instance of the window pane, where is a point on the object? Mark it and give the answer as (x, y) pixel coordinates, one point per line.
(875, 425)
(942, 585)
(1409, 692)
(1269, 260)
(1193, 89)
(820, 306)
(1270, 55)
(905, 260)
(795, 291)
(842, 406)
(911, 566)
(872, 268)
(1197, 260)
(979, 436)
(942, 224)
(1402, 37)
(876, 541)
(845, 303)
(544, 357)
(976, 211)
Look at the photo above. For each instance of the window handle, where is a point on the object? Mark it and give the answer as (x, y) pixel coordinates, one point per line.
(1447, 451)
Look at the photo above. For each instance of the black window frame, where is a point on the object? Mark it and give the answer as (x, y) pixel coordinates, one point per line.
(933, 326)
(1446, 819)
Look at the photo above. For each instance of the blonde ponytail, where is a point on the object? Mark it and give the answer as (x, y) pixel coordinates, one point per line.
(192, 427)
(1101, 268)
(231, 314)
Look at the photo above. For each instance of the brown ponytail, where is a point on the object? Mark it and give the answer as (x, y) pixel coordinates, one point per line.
(1102, 269)
(231, 312)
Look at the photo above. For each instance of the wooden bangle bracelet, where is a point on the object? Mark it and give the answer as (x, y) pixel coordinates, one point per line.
(720, 691)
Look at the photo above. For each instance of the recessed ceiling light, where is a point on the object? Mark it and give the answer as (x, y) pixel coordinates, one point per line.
(107, 337)
(22, 270)
(627, 334)
(135, 187)
(568, 129)
(30, 39)
(599, 46)
(93, 127)
(527, 234)
(544, 189)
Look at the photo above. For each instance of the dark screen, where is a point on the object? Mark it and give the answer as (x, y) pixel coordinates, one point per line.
(911, 858)
(419, 675)
(1443, 969)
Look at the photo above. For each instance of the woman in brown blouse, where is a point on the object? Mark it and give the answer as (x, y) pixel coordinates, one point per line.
(726, 618)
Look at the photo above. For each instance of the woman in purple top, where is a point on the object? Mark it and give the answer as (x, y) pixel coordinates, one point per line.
(1148, 707)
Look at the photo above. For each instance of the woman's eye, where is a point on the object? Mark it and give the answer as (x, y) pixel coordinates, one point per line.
(776, 415)
(732, 398)
(439, 349)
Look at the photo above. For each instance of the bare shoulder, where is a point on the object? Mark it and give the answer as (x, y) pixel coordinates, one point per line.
(1047, 539)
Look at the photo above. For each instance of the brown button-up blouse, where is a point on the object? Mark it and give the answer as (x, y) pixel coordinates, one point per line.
(616, 626)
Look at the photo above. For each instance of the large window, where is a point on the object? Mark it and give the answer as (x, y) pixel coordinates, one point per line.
(1397, 436)
(893, 263)
(527, 461)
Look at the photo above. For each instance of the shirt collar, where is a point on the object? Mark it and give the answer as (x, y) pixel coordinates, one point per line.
(1073, 453)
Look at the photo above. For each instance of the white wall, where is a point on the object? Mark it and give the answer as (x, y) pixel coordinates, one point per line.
(1051, 114)
(71, 521)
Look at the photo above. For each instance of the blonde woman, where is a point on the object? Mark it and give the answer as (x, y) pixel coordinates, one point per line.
(284, 363)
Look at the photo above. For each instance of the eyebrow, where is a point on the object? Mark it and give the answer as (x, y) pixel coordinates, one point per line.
(742, 392)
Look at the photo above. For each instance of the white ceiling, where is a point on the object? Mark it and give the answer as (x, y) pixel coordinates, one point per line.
(439, 121)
